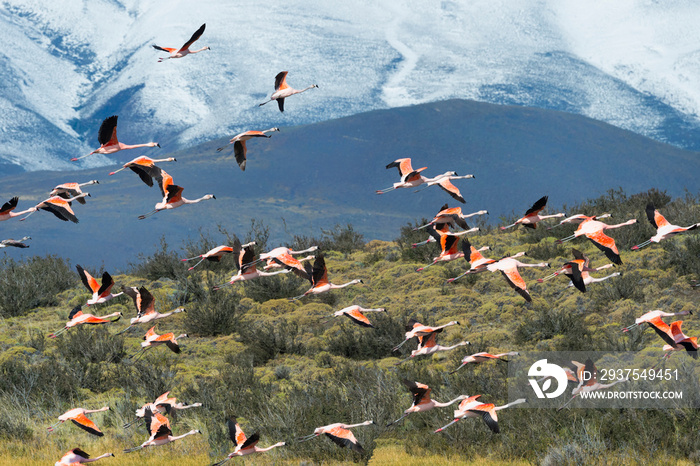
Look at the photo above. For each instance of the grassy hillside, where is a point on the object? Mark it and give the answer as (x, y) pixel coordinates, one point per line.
(324, 174)
(277, 366)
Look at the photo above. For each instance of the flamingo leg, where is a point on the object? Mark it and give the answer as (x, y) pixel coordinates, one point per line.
(396, 348)
(117, 171)
(445, 426)
(392, 423)
(195, 265)
(565, 240)
(75, 159)
(565, 404)
(305, 438)
(141, 217)
(222, 461)
(548, 277)
(129, 424)
(27, 216)
(55, 334)
(52, 427)
(450, 280)
(122, 331)
(402, 361)
(420, 269)
(385, 190)
(641, 245)
(461, 366)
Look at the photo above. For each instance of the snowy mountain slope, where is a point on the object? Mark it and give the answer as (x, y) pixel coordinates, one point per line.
(67, 65)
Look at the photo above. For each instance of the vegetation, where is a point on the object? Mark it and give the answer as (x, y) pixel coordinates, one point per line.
(284, 368)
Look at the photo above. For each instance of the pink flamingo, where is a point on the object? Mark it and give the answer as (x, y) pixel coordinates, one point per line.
(78, 417)
(239, 147)
(318, 276)
(453, 217)
(213, 255)
(109, 144)
(159, 428)
(283, 257)
(355, 314)
(428, 345)
(185, 49)
(174, 199)
(145, 307)
(58, 206)
(76, 317)
(578, 271)
(78, 456)
(486, 411)
(416, 329)
(445, 182)
(6, 211)
(244, 445)
(663, 228)
(245, 263)
(443, 228)
(100, 293)
(16, 243)
(478, 263)
(340, 434)
(146, 169)
(593, 229)
(483, 357)
(508, 266)
(532, 216)
(422, 401)
(590, 383)
(164, 405)
(68, 190)
(282, 90)
(448, 248)
(651, 319)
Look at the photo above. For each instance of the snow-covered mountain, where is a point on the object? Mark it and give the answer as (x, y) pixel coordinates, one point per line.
(66, 65)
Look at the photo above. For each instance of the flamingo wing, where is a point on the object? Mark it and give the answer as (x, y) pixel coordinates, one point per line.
(248, 258)
(107, 135)
(605, 244)
(79, 452)
(359, 318)
(9, 205)
(60, 208)
(146, 302)
(281, 80)
(537, 206)
(145, 173)
(251, 441)
(86, 424)
(280, 104)
(319, 273)
(403, 165)
(516, 282)
(576, 267)
(451, 189)
(345, 438)
(488, 414)
(198, 33)
(235, 432)
(239, 150)
(174, 193)
(421, 392)
(75, 311)
(164, 181)
(412, 323)
(449, 244)
(87, 279)
(164, 49)
(107, 284)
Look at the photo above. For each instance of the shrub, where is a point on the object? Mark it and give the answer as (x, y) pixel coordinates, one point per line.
(213, 313)
(163, 263)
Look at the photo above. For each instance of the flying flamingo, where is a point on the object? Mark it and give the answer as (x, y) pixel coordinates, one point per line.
(422, 401)
(448, 248)
(213, 255)
(410, 178)
(318, 276)
(244, 445)
(483, 357)
(100, 293)
(355, 314)
(509, 269)
(76, 317)
(416, 329)
(443, 228)
(576, 219)
(651, 319)
(79, 418)
(185, 49)
(109, 144)
(454, 217)
(174, 199)
(577, 271)
(478, 263)
(590, 383)
(163, 405)
(78, 456)
(532, 216)
(159, 430)
(282, 90)
(145, 307)
(58, 206)
(245, 264)
(340, 434)
(17, 243)
(145, 168)
(593, 229)
(663, 228)
(68, 190)
(7, 208)
(152, 339)
(283, 257)
(239, 147)
(445, 182)
(428, 345)
(487, 411)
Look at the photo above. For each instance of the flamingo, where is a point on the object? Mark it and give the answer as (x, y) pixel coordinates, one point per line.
(100, 293)
(448, 248)
(283, 257)
(17, 243)
(318, 276)
(663, 228)
(422, 401)
(478, 263)
(410, 178)
(163, 405)
(79, 418)
(578, 271)
(651, 319)
(213, 255)
(58, 206)
(152, 339)
(355, 314)
(245, 264)
(589, 383)
(78, 456)
(244, 445)
(416, 329)
(282, 90)
(576, 219)
(6, 211)
(483, 357)
(174, 199)
(681, 341)
(145, 168)
(454, 217)
(593, 229)
(509, 269)
(239, 147)
(76, 317)
(445, 182)
(443, 228)
(340, 434)
(109, 144)
(145, 306)
(532, 216)
(185, 49)
(159, 430)
(428, 345)
(68, 190)
(487, 411)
